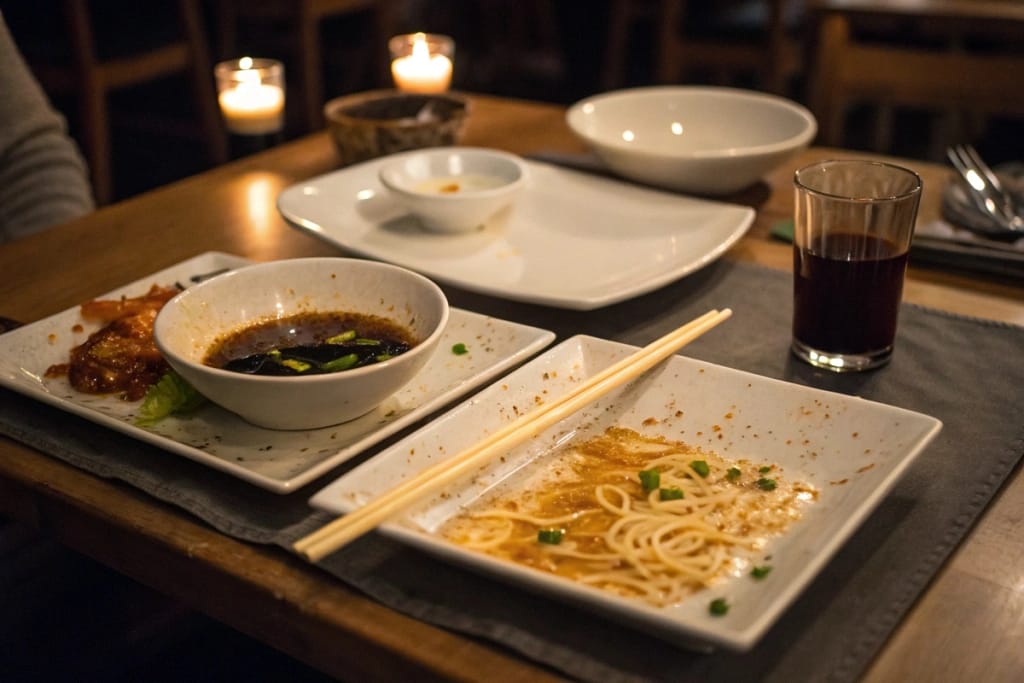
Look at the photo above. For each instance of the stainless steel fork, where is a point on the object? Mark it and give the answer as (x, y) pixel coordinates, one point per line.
(984, 187)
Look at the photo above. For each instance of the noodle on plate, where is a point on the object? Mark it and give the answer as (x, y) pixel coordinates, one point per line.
(639, 516)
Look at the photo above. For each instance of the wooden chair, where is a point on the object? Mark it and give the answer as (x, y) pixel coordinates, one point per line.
(623, 16)
(958, 57)
(91, 79)
(304, 18)
(729, 44)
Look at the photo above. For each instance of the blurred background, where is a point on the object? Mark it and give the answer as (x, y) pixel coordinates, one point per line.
(905, 77)
(557, 51)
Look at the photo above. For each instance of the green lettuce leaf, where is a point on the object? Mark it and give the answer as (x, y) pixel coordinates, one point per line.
(170, 395)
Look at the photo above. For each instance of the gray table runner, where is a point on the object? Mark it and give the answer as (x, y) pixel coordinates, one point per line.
(948, 366)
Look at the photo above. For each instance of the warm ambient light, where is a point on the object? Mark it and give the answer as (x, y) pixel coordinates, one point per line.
(421, 63)
(251, 95)
(260, 200)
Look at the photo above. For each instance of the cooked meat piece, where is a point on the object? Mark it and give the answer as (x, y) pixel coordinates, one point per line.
(121, 356)
(106, 310)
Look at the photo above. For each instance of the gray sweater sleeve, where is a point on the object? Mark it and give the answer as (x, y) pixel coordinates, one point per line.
(43, 178)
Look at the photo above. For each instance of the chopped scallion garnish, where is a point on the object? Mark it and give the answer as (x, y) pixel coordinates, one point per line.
(766, 484)
(733, 474)
(760, 572)
(459, 349)
(650, 479)
(340, 363)
(549, 536)
(718, 607)
(673, 493)
(341, 338)
(701, 467)
(296, 365)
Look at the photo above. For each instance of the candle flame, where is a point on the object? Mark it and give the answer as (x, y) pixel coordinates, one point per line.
(420, 50)
(248, 79)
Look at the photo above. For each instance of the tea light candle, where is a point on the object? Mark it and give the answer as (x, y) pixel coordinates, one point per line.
(251, 95)
(422, 63)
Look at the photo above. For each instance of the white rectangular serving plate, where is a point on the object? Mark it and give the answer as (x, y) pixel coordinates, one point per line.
(573, 240)
(852, 450)
(279, 461)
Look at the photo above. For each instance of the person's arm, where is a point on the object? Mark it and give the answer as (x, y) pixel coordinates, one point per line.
(43, 178)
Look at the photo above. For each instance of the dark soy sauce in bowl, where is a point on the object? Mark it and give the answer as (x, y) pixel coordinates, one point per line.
(310, 344)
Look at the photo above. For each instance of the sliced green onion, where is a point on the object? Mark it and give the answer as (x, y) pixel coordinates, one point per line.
(718, 607)
(549, 536)
(673, 493)
(650, 479)
(765, 470)
(733, 474)
(701, 467)
(340, 363)
(380, 358)
(341, 338)
(296, 365)
(760, 572)
(362, 341)
(766, 484)
(459, 349)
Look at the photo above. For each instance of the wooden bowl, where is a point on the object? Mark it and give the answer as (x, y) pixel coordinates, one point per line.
(373, 124)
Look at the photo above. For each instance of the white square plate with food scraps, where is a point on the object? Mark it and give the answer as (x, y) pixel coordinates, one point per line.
(279, 461)
(852, 451)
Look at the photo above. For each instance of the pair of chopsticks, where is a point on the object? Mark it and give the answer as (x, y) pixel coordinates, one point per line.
(341, 531)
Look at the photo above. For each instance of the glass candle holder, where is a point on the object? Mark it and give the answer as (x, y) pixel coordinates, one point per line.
(422, 62)
(250, 92)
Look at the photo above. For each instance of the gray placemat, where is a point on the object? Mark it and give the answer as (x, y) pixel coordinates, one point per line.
(944, 365)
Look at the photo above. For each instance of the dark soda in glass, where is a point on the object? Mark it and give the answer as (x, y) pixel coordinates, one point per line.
(847, 290)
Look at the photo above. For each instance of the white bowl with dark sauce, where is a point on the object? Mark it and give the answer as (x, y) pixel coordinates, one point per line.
(303, 343)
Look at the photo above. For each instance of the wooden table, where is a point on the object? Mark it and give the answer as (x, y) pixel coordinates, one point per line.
(967, 626)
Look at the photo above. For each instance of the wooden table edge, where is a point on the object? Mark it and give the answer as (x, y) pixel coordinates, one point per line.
(330, 626)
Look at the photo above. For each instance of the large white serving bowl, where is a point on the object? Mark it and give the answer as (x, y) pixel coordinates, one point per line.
(192, 321)
(454, 189)
(698, 140)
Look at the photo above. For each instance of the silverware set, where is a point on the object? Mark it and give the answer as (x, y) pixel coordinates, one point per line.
(987, 192)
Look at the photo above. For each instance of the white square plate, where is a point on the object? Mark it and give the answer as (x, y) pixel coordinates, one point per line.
(852, 450)
(573, 240)
(279, 461)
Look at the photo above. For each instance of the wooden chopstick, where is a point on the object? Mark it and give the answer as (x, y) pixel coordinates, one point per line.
(345, 529)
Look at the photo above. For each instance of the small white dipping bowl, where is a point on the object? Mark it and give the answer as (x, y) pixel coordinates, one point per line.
(191, 322)
(454, 189)
(697, 140)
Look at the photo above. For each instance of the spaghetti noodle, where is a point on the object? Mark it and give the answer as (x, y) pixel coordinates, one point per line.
(638, 516)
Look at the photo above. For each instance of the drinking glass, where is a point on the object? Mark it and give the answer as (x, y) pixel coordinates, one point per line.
(853, 223)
